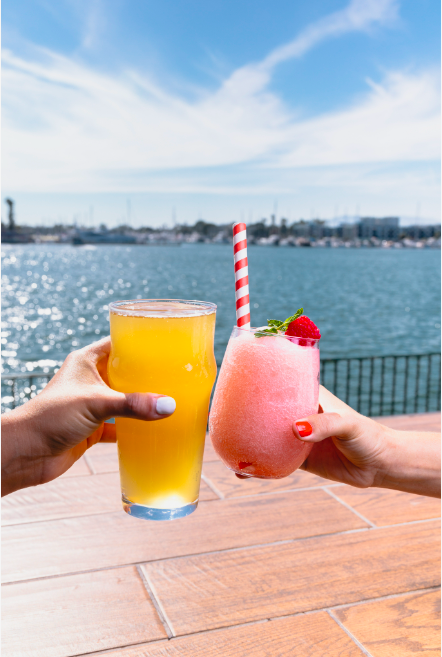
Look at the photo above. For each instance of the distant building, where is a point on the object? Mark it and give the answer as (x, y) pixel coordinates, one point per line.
(94, 237)
(383, 229)
(419, 232)
(11, 218)
(301, 229)
(348, 232)
(13, 234)
(316, 229)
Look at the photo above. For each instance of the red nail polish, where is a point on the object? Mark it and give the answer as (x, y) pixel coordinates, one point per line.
(304, 428)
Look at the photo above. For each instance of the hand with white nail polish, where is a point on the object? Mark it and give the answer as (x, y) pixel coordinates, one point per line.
(165, 405)
(355, 450)
(44, 437)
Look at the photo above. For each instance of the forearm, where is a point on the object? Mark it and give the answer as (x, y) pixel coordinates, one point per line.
(412, 463)
(22, 463)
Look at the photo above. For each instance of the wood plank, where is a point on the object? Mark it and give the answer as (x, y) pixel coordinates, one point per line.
(77, 614)
(225, 481)
(209, 452)
(413, 422)
(103, 457)
(388, 507)
(57, 547)
(315, 635)
(403, 626)
(79, 469)
(67, 498)
(216, 590)
(63, 498)
(206, 493)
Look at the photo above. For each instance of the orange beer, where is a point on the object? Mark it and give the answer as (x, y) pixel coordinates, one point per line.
(163, 346)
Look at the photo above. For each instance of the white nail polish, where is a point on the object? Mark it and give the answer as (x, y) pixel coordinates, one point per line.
(165, 405)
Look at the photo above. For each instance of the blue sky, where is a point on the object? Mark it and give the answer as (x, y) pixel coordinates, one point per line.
(220, 110)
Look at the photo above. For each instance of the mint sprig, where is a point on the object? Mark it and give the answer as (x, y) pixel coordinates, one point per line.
(276, 326)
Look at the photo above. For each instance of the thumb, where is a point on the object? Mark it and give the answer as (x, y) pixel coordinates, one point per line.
(136, 405)
(316, 428)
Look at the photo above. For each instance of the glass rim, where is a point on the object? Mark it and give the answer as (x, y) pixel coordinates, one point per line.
(183, 308)
(254, 329)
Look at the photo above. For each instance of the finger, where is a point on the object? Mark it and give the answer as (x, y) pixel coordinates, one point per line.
(95, 355)
(316, 428)
(92, 353)
(103, 359)
(88, 365)
(99, 348)
(137, 405)
(109, 434)
(98, 354)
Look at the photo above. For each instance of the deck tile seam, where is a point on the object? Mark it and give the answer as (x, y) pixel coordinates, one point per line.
(350, 635)
(89, 464)
(323, 487)
(36, 522)
(350, 508)
(390, 596)
(280, 492)
(104, 513)
(99, 472)
(155, 601)
(83, 515)
(234, 549)
(309, 612)
(359, 603)
(149, 644)
(123, 646)
(160, 604)
(212, 486)
(183, 556)
(402, 524)
(264, 620)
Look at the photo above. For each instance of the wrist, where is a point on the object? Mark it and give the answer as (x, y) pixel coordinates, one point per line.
(23, 454)
(410, 463)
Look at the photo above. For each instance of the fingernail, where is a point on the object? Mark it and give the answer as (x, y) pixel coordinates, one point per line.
(304, 428)
(165, 405)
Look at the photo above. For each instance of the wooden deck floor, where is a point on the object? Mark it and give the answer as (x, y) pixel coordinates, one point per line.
(299, 566)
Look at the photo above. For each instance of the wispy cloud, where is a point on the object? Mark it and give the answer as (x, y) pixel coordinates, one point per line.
(398, 120)
(359, 15)
(68, 127)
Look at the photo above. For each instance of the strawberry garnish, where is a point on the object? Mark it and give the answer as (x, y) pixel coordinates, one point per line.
(296, 326)
(303, 327)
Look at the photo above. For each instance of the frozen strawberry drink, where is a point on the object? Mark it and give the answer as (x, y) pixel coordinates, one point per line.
(269, 378)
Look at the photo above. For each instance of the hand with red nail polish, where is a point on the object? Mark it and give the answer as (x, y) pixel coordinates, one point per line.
(355, 450)
(304, 429)
(44, 437)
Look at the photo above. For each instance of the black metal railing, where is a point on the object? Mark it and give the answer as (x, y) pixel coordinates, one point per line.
(385, 385)
(374, 385)
(18, 388)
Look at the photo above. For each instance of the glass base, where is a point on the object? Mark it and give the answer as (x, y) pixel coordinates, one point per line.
(151, 513)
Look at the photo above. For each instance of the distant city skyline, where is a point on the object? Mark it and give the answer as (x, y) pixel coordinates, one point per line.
(367, 232)
(138, 211)
(222, 112)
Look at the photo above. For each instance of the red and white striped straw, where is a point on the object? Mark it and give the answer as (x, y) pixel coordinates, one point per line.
(241, 276)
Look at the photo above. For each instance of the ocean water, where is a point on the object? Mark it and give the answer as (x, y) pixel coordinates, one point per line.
(365, 301)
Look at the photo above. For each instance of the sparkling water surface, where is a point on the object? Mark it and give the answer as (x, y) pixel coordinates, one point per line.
(365, 301)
